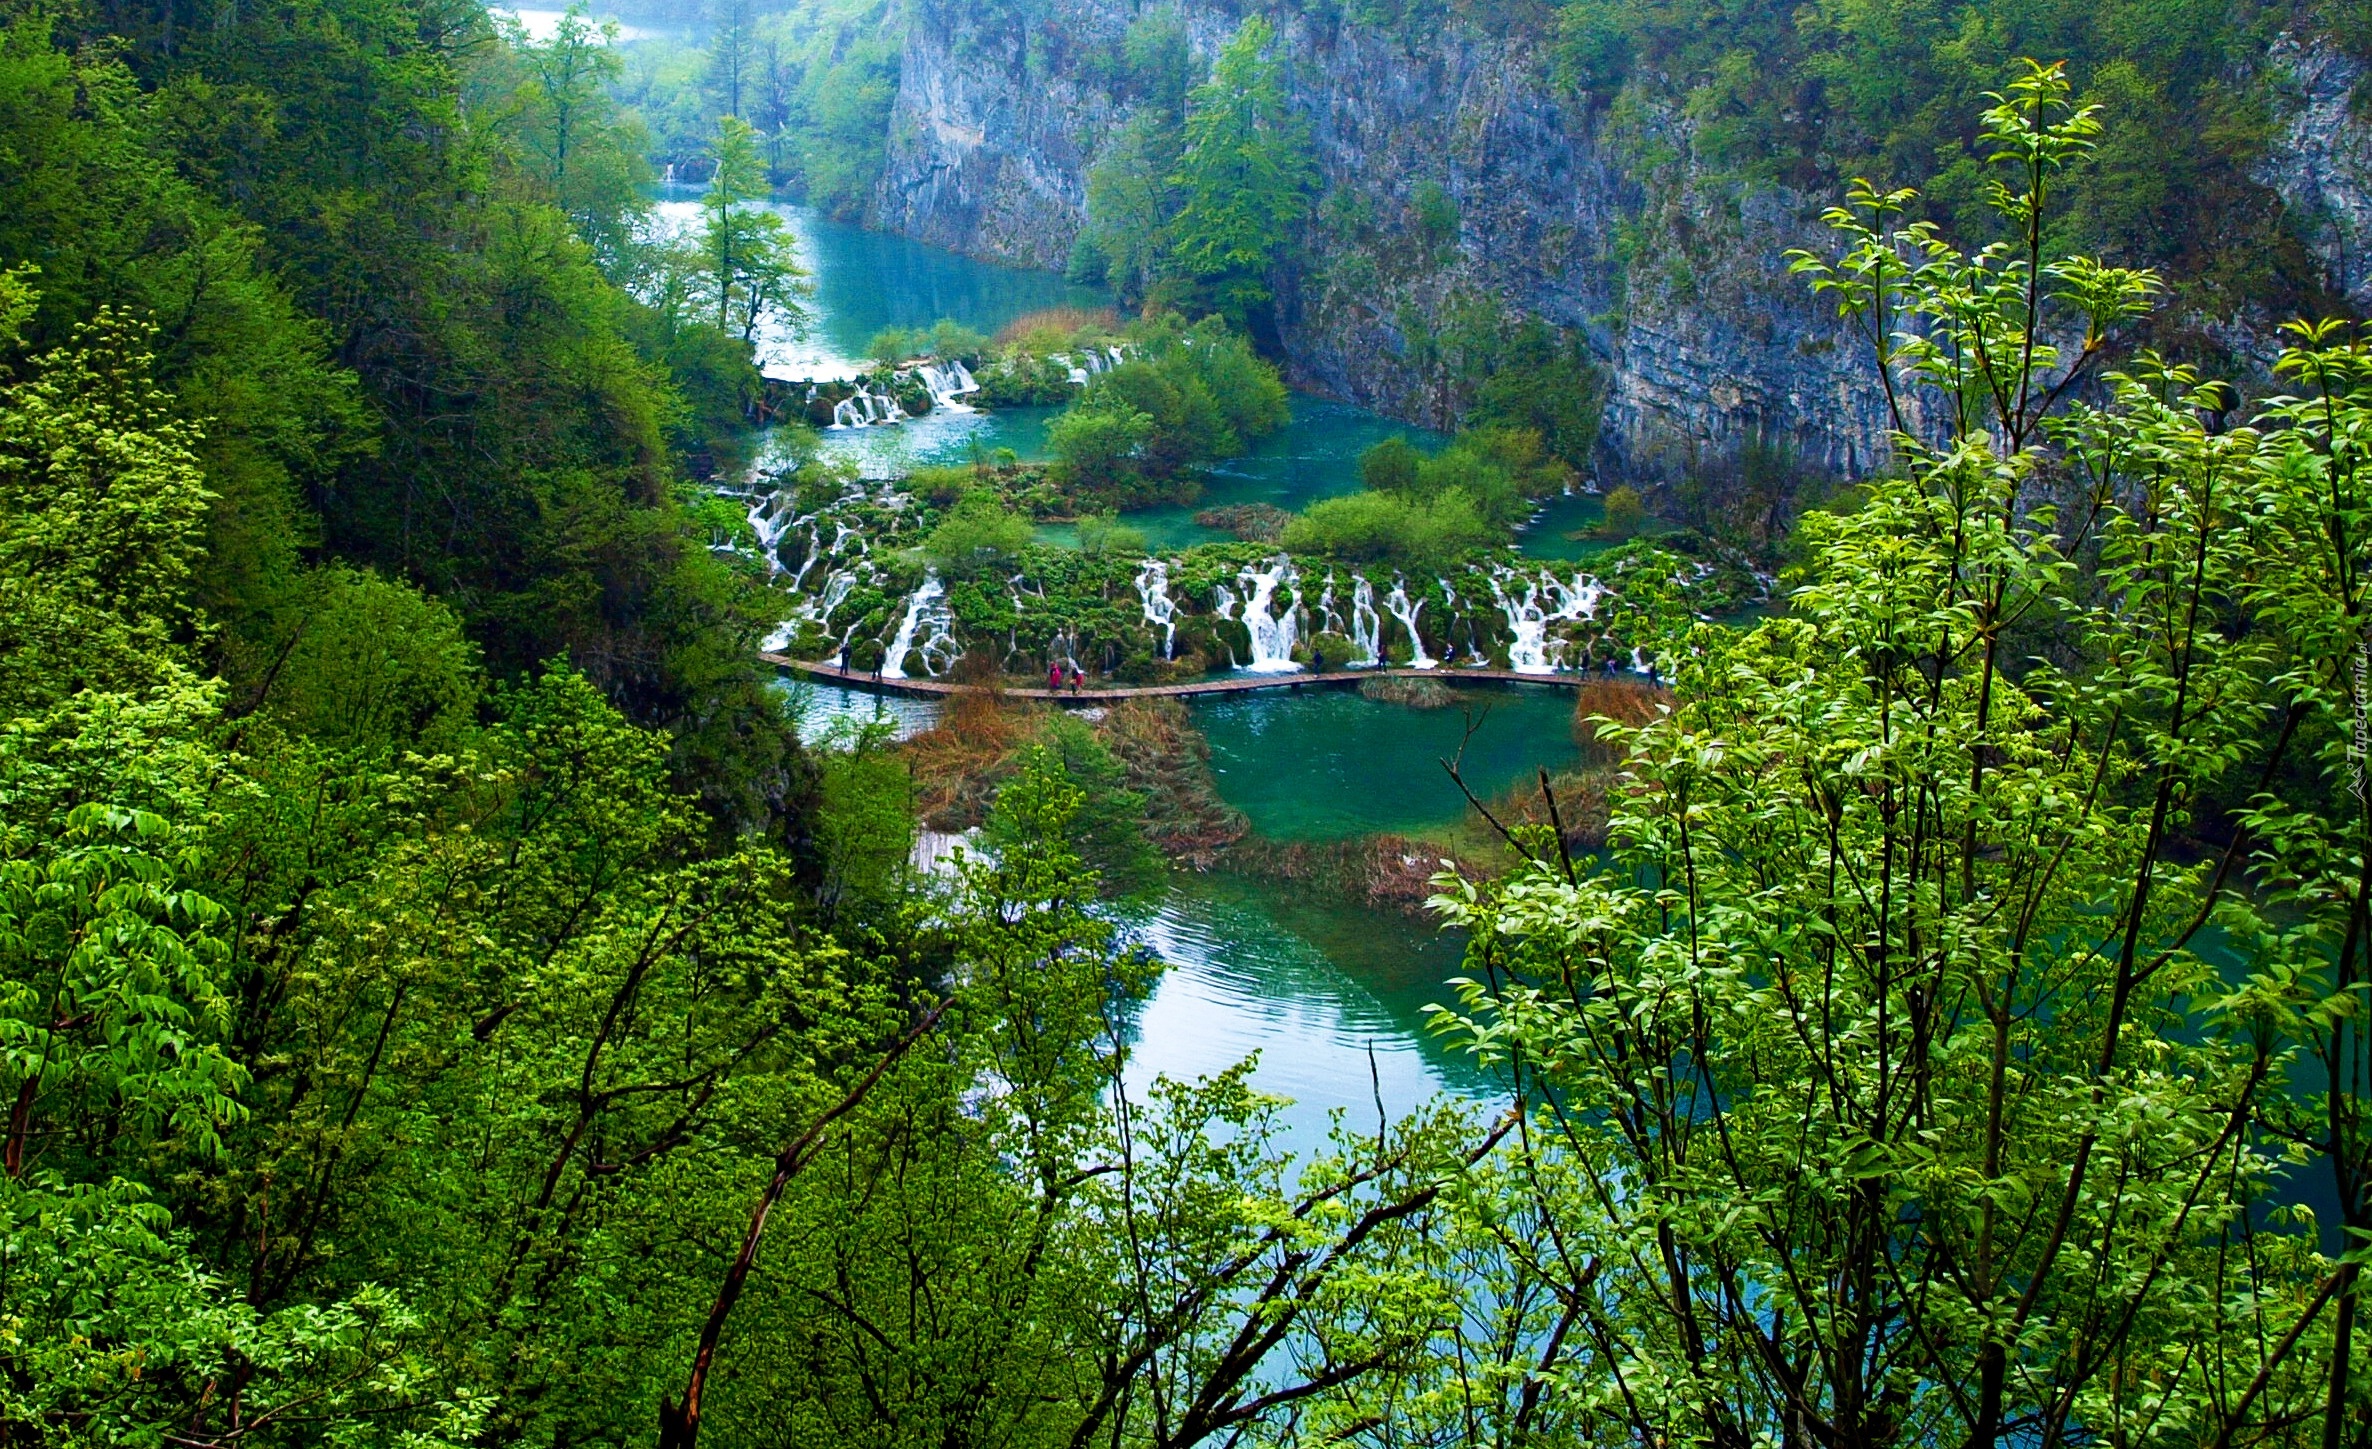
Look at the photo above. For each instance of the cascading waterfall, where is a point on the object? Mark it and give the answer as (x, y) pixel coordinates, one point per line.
(1406, 611)
(1153, 591)
(1367, 626)
(770, 528)
(838, 585)
(815, 553)
(1272, 635)
(946, 382)
(866, 408)
(926, 610)
(1223, 607)
(1087, 362)
(1541, 602)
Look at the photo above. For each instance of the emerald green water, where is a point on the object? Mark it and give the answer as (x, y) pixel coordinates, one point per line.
(1331, 997)
(1546, 536)
(1329, 764)
(1314, 456)
(867, 282)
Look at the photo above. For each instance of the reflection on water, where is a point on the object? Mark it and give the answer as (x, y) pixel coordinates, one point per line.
(1331, 996)
(1314, 456)
(867, 282)
(818, 709)
(1328, 764)
(1545, 536)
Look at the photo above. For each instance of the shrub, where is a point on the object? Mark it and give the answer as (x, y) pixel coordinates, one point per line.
(1102, 533)
(1626, 513)
(978, 534)
(1391, 466)
(1370, 527)
(1099, 445)
(1054, 329)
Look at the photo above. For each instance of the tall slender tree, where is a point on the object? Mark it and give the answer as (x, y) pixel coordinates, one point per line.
(1246, 169)
(753, 271)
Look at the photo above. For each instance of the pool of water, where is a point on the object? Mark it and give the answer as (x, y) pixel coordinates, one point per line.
(821, 709)
(1548, 534)
(1331, 996)
(1314, 456)
(1329, 764)
(867, 282)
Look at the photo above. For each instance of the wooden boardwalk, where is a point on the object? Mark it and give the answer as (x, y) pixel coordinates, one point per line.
(1242, 684)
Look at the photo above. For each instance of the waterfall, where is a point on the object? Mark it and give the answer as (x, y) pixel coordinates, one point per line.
(770, 527)
(946, 382)
(1223, 607)
(1406, 611)
(866, 408)
(838, 584)
(1087, 362)
(1367, 626)
(1272, 636)
(1153, 591)
(815, 552)
(1542, 602)
(926, 608)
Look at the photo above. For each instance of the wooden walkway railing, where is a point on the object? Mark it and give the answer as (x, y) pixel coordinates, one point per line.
(1238, 684)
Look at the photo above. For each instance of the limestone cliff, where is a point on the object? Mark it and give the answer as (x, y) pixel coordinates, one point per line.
(1679, 285)
(2323, 165)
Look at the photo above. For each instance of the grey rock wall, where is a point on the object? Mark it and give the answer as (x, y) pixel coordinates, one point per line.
(2322, 166)
(1681, 288)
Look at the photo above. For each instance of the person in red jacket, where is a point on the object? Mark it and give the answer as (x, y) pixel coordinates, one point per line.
(1054, 677)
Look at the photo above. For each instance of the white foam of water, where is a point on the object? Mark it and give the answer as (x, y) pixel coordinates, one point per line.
(929, 617)
(1272, 635)
(1407, 611)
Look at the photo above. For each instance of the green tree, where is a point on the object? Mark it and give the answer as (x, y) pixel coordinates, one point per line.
(102, 512)
(753, 269)
(1625, 513)
(1099, 445)
(1104, 533)
(1390, 466)
(1427, 533)
(594, 161)
(1130, 201)
(1921, 1113)
(979, 534)
(1245, 169)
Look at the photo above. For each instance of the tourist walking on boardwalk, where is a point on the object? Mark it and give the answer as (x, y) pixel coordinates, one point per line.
(1078, 677)
(1054, 677)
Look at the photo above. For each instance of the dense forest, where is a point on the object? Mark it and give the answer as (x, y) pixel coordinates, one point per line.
(450, 997)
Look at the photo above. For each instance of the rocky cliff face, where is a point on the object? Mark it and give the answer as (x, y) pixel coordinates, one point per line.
(1681, 288)
(2323, 165)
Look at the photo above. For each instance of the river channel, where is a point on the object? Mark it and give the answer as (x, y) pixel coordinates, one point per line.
(1329, 994)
